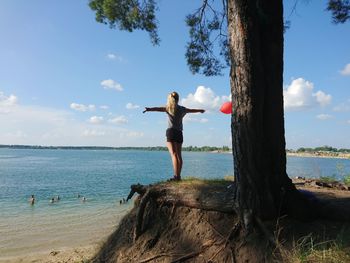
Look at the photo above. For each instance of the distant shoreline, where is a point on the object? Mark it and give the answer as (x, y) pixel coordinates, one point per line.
(224, 149)
(209, 149)
(320, 155)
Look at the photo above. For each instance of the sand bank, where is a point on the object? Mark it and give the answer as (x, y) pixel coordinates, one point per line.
(67, 255)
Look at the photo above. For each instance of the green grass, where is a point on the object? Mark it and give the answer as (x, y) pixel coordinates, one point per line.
(195, 180)
(346, 180)
(332, 179)
(309, 250)
(328, 179)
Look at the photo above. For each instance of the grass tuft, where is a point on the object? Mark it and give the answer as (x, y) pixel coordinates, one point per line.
(346, 180)
(195, 180)
(308, 250)
(328, 179)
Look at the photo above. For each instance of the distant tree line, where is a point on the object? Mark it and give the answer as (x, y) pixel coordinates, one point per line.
(324, 149)
(156, 148)
(163, 148)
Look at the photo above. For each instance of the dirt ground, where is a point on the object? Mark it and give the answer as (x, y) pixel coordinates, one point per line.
(185, 234)
(69, 255)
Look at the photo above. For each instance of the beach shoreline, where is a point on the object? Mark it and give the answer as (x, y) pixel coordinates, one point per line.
(65, 254)
(318, 155)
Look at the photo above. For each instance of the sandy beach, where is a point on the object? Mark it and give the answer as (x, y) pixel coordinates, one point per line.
(67, 255)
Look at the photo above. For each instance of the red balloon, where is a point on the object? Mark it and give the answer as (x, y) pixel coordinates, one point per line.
(226, 107)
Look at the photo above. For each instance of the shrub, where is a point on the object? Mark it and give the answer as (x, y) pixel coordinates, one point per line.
(346, 180)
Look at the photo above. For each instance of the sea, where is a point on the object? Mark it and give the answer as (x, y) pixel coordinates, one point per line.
(103, 177)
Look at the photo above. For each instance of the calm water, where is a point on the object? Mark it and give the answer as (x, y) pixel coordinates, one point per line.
(103, 177)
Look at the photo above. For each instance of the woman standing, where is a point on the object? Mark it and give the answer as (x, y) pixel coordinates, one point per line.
(174, 135)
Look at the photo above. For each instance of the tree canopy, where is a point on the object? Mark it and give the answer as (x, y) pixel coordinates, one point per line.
(207, 49)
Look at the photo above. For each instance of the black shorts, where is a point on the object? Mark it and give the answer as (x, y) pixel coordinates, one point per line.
(174, 135)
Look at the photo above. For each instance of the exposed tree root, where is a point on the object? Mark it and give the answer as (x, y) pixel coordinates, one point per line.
(233, 232)
(226, 240)
(193, 254)
(157, 256)
(139, 219)
(206, 197)
(265, 231)
(213, 198)
(181, 258)
(186, 257)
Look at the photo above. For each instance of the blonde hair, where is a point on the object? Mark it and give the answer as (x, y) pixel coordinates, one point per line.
(173, 99)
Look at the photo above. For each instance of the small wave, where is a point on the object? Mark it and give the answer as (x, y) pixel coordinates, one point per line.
(8, 156)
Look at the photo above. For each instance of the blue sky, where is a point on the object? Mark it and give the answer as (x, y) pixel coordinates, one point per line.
(68, 80)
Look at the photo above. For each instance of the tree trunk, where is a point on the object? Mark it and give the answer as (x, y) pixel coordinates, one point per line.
(256, 45)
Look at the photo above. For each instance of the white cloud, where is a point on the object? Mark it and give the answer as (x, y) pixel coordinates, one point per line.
(7, 101)
(346, 70)
(131, 106)
(299, 95)
(104, 107)
(82, 107)
(112, 56)
(111, 84)
(16, 135)
(29, 124)
(192, 119)
(134, 134)
(35, 125)
(322, 98)
(204, 98)
(324, 117)
(118, 120)
(96, 119)
(343, 107)
(93, 133)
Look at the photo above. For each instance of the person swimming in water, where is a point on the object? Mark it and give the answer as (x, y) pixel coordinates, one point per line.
(174, 135)
(32, 200)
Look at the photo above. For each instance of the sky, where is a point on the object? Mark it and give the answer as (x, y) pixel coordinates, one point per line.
(67, 80)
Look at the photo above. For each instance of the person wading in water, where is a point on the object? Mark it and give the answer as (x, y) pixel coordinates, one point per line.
(175, 113)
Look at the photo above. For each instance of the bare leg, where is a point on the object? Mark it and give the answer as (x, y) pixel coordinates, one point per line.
(179, 157)
(174, 158)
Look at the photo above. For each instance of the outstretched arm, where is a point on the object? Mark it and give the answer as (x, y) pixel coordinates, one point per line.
(160, 109)
(195, 110)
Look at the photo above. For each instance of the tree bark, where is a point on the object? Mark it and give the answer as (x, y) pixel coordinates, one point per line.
(256, 45)
(206, 197)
